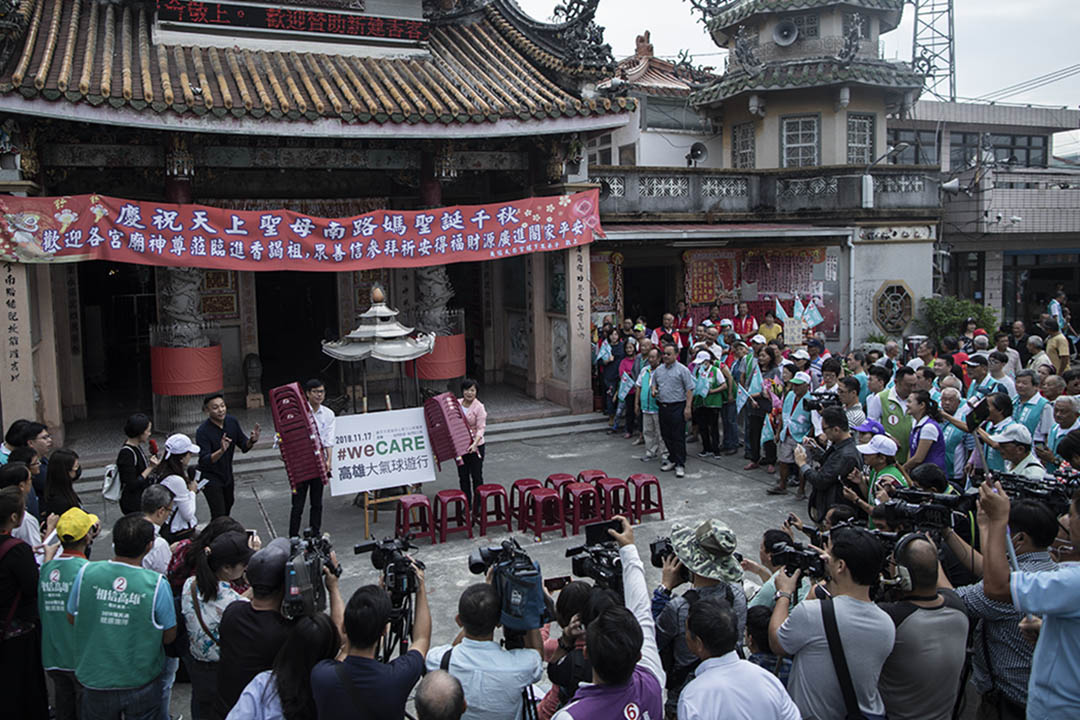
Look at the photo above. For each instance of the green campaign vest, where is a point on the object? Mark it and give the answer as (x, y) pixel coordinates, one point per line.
(118, 643)
(897, 424)
(57, 634)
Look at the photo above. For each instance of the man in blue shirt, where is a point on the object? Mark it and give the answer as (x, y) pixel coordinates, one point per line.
(1054, 685)
(217, 439)
(493, 678)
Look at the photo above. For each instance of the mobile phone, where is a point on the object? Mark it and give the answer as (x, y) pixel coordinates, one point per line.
(251, 536)
(557, 583)
(791, 518)
(202, 483)
(597, 533)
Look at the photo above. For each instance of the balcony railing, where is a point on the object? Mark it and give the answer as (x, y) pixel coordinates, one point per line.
(1020, 201)
(689, 193)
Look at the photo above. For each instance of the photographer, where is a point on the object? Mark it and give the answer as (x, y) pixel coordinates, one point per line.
(853, 561)
(1001, 662)
(251, 633)
(361, 686)
(836, 514)
(725, 685)
(628, 677)
(492, 677)
(767, 571)
(921, 677)
(879, 454)
(1054, 685)
(577, 605)
(707, 552)
(839, 460)
(1014, 445)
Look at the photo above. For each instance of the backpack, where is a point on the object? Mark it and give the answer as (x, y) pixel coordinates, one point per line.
(677, 676)
(111, 487)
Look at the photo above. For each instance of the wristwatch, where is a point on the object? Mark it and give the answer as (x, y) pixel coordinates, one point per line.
(781, 593)
(664, 589)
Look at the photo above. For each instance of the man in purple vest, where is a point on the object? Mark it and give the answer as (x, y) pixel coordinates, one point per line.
(628, 677)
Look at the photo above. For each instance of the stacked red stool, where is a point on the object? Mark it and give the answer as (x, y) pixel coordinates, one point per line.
(420, 503)
(500, 510)
(590, 476)
(581, 503)
(557, 481)
(644, 502)
(613, 494)
(542, 502)
(461, 516)
(518, 492)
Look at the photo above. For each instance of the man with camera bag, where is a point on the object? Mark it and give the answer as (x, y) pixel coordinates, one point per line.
(841, 457)
(839, 644)
(707, 554)
(620, 643)
(492, 677)
(361, 687)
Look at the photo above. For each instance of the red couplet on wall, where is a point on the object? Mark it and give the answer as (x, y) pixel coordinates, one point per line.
(445, 362)
(186, 371)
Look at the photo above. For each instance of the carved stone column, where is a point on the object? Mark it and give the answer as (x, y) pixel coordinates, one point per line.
(434, 290)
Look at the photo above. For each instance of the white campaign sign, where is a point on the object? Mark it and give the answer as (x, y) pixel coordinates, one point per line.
(380, 450)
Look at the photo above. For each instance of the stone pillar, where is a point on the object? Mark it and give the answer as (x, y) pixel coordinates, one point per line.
(993, 281)
(539, 349)
(579, 379)
(17, 386)
(69, 353)
(46, 374)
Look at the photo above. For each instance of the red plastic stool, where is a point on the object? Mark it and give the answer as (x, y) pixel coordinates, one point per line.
(500, 510)
(614, 498)
(408, 503)
(590, 476)
(461, 516)
(541, 501)
(557, 480)
(581, 504)
(517, 496)
(644, 503)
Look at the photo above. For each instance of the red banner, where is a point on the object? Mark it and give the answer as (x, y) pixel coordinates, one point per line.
(96, 227)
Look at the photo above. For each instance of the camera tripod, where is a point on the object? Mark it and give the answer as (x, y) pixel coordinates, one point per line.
(400, 631)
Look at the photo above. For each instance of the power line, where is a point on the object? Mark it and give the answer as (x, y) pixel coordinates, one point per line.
(1032, 83)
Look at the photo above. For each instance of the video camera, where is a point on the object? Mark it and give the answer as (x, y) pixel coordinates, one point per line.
(963, 503)
(660, 550)
(927, 516)
(820, 400)
(391, 556)
(305, 589)
(887, 539)
(518, 582)
(795, 556)
(1053, 492)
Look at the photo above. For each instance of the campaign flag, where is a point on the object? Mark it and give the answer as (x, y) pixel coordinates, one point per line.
(757, 384)
(767, 433)
(781, 315)
(741, 398)
(812, 316)
(797, 311)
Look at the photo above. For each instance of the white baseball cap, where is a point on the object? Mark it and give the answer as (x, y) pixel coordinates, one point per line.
(1014, 433)
(801, 354)
(759, 339)
(702, 356)
(727, 322)
(800, 378)
(879, 444)
(179, 444)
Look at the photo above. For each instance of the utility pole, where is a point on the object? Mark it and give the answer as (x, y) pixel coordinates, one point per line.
(933, 48)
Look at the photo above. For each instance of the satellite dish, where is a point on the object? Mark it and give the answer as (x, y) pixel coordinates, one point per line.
(785, 33)
(698, 152)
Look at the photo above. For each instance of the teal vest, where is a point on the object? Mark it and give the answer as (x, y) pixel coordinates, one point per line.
(796, 419)
(118, 643)
(864, 387)
(648, 402)
(57, 634)
(1029, 413)
(954, 436)
(897, 424)
(1052, 439)
(994, 461)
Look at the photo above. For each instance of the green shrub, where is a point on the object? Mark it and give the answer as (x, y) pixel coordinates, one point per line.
(943, 316)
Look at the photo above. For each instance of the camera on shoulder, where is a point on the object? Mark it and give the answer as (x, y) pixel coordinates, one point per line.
(305, 588)
(518, 582)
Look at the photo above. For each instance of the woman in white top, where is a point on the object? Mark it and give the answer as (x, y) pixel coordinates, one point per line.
(203, 601)
(285, 691)
(172, 473)
(471, 469)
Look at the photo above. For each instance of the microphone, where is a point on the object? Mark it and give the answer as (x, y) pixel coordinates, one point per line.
(153, 446)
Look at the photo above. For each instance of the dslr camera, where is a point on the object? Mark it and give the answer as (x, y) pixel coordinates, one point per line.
(796, 556)
(305, 589)
(390, 556)
(660, 550)
(821, 400)
(518, 582)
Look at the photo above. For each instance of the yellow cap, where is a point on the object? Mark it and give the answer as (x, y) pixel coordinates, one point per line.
(74, 524)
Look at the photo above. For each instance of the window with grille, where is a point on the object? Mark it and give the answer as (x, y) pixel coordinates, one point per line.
(922, 147)
(800, 141)
(807, 24)
(1022, 150)
(742, 146)
(860, 139)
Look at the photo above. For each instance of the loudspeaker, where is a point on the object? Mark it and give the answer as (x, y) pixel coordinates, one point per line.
(785, 33)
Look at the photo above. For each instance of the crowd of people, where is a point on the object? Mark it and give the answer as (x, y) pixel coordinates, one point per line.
(869, 608)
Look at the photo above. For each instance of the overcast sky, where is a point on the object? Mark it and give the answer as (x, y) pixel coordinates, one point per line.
(998, 43)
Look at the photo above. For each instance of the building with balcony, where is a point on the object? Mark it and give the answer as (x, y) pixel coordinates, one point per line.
(1012, 233)
(795, 197)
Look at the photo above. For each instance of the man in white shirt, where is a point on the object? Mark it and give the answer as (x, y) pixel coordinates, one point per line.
(725, 686)
(1001, 344)
(315, 391)
(157, 505)
(997, 361)
(493, 678)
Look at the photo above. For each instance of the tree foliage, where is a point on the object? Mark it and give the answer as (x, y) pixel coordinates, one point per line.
(944, 316)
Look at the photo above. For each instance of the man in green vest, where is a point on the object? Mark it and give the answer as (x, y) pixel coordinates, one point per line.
(889, 407)
(76, 529)
(123, 616)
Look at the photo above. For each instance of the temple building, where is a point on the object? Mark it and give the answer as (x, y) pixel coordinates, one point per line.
(327, 107)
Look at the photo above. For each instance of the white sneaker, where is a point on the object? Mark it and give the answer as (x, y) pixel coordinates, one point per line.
(667, 466)
(704, 454)
(679, 471)
(647, 458)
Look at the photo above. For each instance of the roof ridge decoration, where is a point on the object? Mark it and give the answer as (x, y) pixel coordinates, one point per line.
(14, 20)
(718, 15)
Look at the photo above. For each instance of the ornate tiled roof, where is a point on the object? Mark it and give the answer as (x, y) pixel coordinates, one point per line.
(813, 72)
(85, 52)
(651, 75)
(739, 11)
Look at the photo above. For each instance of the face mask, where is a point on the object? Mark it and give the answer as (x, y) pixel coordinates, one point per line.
(78, 474)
